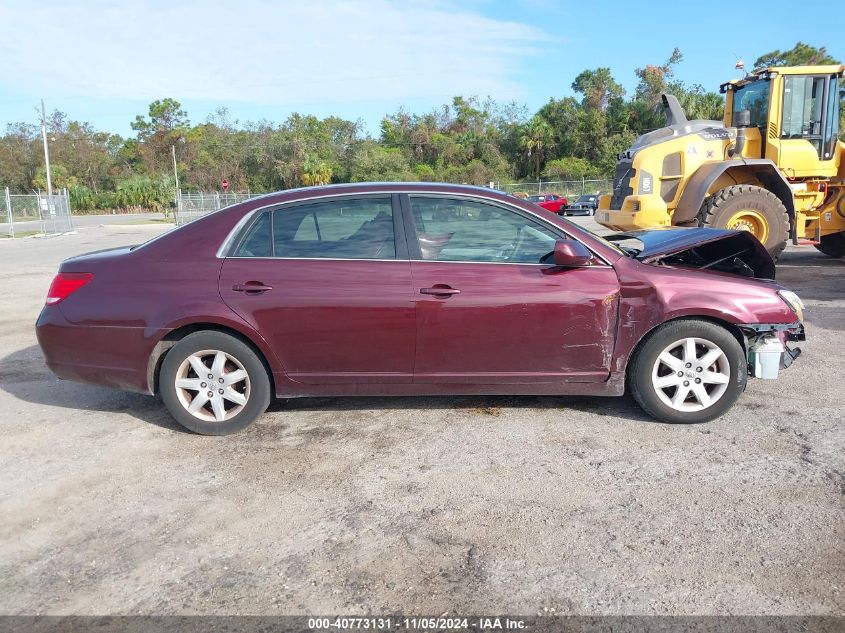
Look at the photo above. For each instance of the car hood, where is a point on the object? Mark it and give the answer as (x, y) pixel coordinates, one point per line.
(736, 252)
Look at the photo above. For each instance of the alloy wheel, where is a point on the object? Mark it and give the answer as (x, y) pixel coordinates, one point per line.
(691, 374)
(212, 385)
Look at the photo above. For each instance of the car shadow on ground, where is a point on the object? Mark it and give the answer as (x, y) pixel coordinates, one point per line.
(622, 408)
(24, 375)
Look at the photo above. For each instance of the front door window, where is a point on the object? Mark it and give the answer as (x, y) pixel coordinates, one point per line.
(466, 231)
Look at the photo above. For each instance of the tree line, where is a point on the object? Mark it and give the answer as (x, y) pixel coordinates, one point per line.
(470, 140)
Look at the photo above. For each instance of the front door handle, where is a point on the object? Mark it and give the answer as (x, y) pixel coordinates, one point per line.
(251, 287)
(440, 290)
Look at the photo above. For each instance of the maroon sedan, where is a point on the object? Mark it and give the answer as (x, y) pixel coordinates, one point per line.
(389, 289)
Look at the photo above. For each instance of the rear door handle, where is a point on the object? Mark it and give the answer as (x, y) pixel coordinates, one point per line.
(251, 287)
(440, 290)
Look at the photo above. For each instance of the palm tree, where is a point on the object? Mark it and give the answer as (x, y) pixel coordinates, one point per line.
(315, 172)
(535, 141)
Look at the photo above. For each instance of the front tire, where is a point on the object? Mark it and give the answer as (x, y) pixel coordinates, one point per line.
(688, 371)
(832, 245)
(749, 208)
(213, 383)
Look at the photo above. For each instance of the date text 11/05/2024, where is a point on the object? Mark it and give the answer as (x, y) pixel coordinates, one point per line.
(492, 623)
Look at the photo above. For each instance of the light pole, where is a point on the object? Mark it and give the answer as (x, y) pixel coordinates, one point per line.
(46, 150)
(175, 171)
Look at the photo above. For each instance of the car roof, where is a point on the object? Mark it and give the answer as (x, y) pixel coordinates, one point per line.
(440, 188)
(229, 217)
(357, 187)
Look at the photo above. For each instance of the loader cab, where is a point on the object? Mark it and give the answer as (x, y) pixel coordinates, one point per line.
(753, 97)
(796, 111)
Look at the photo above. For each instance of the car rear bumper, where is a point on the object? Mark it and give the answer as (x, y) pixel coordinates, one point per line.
(109, 356)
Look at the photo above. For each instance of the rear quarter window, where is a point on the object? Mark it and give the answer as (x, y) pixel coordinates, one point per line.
(257, 242)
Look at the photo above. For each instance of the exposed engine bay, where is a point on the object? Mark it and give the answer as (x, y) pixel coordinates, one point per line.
(734, 252)
(731, 255)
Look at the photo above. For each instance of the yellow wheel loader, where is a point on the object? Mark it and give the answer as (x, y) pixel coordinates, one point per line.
(773, 167)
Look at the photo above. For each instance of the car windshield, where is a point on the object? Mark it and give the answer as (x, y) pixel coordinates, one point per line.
(586, 199)
(536, 198)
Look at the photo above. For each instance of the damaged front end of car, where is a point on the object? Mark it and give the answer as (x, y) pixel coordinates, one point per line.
(767, 347)
(735, 252)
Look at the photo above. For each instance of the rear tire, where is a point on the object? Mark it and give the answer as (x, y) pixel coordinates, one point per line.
(213, 383)
(752, 209)
(688, 371)
(832, 245)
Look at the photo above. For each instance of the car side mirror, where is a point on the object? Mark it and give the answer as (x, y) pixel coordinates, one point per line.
(571, 254)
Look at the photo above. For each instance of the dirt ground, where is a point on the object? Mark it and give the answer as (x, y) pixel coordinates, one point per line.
(419, 505)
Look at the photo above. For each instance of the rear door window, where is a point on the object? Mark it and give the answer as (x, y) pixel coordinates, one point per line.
(337, 229)
(360, 228)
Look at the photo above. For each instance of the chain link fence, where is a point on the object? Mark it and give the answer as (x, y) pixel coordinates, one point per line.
(567, 188)
(190, 206)
(36, 214)
(193, 205)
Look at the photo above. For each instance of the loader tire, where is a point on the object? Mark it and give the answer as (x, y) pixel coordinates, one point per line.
(749, 208)
(832, 245)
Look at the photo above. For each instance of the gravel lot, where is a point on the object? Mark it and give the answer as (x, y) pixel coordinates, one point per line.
(419, 505)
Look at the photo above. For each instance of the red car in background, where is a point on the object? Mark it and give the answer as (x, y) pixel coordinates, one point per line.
(418, 289)
(550, 202)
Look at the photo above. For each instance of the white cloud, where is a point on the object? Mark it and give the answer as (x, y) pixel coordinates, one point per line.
(269, 53)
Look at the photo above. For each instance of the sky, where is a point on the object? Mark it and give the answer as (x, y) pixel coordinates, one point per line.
(104, 62)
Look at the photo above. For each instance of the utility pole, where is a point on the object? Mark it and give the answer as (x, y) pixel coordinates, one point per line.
(46, 150)
(175, 171)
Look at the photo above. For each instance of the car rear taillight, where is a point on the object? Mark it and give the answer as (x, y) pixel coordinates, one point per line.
(65, 284)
